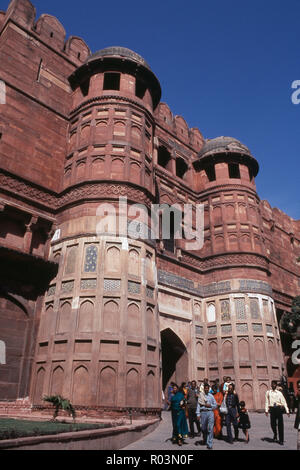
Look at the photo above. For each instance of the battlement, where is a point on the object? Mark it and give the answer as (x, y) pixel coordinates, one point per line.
(47, 29)
(177, 125)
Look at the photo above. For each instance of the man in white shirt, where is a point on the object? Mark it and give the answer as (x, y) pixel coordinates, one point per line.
(275, 405)
(205, 412)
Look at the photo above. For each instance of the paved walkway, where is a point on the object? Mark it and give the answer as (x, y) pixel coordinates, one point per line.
(260, 437)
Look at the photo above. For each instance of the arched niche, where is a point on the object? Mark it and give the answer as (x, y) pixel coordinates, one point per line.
(211, 313)
(113, 260)
(39, 386)
(133, 395)
(247, 395)
(244, 351)
(134, 320)
(64, 318)
(86, 317)
(57, 381)
(151, 390)
(81, 386)
(111, 317)
(107, 387)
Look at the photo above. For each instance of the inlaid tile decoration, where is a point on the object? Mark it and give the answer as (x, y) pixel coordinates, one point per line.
(254, 309)
(225, 310)
(150, 292)
(111, 285)
(91, 255)
(87, 284)
(212, 330)
(226, 329)
(242, 328)
(240, 309)
(67, 287)
(199, 330)
(134, 287)
(51, 290)
(257, 327)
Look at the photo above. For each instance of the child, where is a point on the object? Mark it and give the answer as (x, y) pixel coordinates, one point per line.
(244, 421)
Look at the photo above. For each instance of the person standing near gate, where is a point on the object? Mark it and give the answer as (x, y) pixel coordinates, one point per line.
(192, 401)
(276, 405)
(205, 411)
(233, 407)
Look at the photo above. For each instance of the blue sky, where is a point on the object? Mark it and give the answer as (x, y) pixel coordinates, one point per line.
(225, 66)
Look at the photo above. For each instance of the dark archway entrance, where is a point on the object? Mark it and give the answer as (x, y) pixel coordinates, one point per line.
(174, 359)
(14, 337)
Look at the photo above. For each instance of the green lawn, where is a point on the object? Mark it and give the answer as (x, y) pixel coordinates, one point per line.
(14, 428)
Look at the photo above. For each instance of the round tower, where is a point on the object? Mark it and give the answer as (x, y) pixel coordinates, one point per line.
(242, 335)
(99, 332)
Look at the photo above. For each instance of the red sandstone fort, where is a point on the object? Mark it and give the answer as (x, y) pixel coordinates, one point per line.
(104, 319)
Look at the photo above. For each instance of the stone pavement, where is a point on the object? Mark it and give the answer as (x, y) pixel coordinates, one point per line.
(260, 437)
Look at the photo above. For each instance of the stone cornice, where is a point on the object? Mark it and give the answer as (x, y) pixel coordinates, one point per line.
(216, 288)
(226, 260)
(94, 101)
(219, 261)
(86, 191)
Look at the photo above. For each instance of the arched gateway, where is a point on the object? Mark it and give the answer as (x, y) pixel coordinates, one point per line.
(174, 359)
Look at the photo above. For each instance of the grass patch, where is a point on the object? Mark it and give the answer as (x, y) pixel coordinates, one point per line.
(15, 428)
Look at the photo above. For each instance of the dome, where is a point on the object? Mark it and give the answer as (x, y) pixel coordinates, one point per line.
(119, 52)
(223, 145)
(118, 59)
(214, 150)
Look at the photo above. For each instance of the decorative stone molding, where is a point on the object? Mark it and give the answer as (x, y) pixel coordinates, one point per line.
(217, 288)
(86, 190)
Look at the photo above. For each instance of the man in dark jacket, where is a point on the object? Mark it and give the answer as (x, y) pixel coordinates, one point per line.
(233, 407)
(192, 401)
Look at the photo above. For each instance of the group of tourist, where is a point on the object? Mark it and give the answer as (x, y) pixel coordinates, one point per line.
(211, 406)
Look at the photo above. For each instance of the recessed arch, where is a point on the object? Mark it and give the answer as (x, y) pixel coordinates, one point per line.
(107, 386)
(174, 358)
(111, 316)
(81, 388)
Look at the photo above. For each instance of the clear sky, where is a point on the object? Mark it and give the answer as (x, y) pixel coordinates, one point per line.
(226, 66)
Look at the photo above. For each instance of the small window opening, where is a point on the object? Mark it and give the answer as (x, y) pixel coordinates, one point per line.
(140, 89)
(78, 55)
(234, 171)
(169, 244)
(112, 81)
(181, 167)
(39, 71)
(211, 173)
(164, 157)
(171, 226)
(51, 34)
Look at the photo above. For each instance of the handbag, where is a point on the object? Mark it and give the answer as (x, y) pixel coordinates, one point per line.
(223, 408)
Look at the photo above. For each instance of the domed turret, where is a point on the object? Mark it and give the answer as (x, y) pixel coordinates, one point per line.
(224, 159)
(119, 60)
(226, 149)
(119, 52)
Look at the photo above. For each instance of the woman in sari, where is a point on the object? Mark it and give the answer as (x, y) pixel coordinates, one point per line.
(218, 396)
(180, 428)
